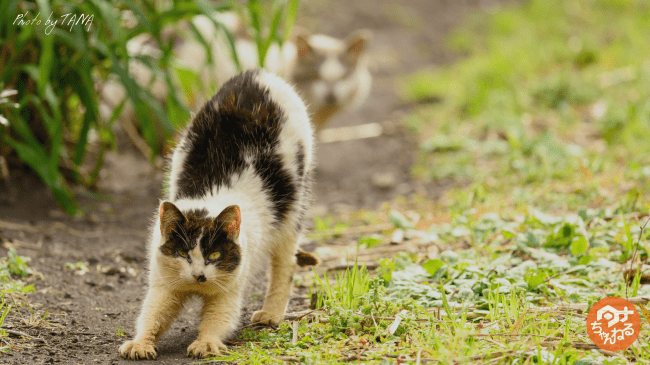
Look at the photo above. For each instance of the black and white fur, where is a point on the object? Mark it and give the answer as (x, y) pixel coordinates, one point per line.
(250, 146)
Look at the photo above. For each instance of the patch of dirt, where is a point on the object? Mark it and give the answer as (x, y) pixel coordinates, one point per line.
(85, 311)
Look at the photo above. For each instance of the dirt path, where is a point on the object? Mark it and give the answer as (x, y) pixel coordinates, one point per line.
(85, 310)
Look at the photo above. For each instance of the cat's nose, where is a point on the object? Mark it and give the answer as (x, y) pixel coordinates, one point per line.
(200, 278)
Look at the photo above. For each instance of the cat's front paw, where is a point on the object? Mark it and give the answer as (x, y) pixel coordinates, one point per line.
(267, 318)
(201, 348)
(138, 350)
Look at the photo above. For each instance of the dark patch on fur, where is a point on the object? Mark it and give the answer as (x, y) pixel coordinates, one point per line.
(278, 183)
(239, 120)
(171, 221)
(300, 159)
(185, 231)
(230, 252)
(197, 213)
(221, 239)
(306, 259)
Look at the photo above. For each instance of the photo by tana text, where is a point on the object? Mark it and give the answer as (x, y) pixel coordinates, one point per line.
(67, 20)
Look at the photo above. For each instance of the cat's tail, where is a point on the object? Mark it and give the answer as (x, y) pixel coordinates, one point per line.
(306, 259)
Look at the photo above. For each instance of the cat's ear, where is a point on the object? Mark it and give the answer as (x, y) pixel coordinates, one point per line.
(229, 220)
(357, 43)
(170, 218)
(305, 52)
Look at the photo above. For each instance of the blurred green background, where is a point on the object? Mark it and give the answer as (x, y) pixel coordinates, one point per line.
(49, 78)
(549, 104)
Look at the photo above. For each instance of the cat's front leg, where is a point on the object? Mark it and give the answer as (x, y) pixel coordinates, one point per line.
(158, 311)
(219, 319)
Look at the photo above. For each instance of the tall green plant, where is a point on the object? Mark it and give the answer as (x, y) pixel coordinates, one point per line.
(54, 69)
(281, 11)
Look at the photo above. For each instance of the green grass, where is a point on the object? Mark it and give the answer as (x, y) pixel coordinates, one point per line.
(13, 270)
(543, 126)
(347, 288)
(5, 309)
(549, 92)
(497, 303)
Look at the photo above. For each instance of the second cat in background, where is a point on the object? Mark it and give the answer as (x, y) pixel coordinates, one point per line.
(329, 73)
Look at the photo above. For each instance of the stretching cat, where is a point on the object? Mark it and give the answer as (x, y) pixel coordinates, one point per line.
(239, 185)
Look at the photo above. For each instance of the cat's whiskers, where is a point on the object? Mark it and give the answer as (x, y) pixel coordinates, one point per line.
(222, 288)
(186, 238)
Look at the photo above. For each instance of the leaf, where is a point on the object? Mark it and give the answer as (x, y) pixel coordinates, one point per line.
(628, 234)
(254, 9)
(275, 22)
(371, 241)
(432, 266)
(508, 234)
(47, 53)
(517, 325)
(579, 246)
(207, 8)
(646, 312)
(290, 18)
(400, 221)
(636, 282)
(585, 260)
(567, 230)
(535, 278)
(110, 17)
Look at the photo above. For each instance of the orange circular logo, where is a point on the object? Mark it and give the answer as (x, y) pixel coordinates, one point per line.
(613, 324)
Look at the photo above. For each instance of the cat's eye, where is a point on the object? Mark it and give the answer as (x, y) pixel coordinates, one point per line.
(214, 255)
(181, 253)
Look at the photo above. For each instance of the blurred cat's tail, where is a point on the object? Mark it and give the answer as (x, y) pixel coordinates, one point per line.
(306, 259)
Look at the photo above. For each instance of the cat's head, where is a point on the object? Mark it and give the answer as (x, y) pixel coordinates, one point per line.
(326, 68)
(199, 249)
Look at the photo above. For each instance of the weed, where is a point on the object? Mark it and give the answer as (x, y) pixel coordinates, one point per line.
(5, 308)
(119, 332)
(80, 268)
(348, 286)
(12, 266)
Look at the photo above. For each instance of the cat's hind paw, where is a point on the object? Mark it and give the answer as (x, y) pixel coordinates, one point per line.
(138, 350)
(202, 349)
(267, 318)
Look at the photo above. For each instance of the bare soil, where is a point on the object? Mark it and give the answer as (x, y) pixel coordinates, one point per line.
(85, 311)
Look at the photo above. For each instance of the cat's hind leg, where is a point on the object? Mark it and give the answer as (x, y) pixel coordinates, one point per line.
(283, 265)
